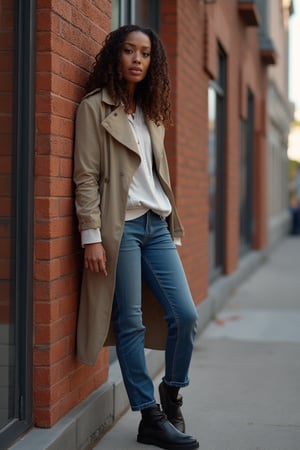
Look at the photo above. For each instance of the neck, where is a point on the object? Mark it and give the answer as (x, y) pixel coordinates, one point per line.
(131, 97)
(132, 104)
(132, 108)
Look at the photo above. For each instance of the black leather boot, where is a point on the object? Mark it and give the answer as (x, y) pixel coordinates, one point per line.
(171, 403)
(155, 429)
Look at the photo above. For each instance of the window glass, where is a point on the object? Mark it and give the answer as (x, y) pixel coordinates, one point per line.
(216, 157)
(246, 174)
(115, 17)
(212, 161)
(144, 13)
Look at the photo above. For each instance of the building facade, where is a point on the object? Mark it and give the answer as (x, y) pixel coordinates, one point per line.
(219, 157)
(280, 115)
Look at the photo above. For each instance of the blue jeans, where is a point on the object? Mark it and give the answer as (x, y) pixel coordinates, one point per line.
(147, 251)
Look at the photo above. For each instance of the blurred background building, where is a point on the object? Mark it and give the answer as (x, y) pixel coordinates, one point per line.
(280, 114)
(227, 153)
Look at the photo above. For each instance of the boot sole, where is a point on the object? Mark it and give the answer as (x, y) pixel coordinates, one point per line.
(157, 443)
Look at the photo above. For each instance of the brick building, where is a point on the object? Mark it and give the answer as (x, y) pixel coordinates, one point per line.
(219, 53)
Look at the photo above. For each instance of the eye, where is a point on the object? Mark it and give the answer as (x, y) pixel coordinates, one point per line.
(127, 50)
(146, 54)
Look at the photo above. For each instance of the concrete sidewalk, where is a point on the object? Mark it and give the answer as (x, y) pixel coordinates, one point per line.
(245, 373)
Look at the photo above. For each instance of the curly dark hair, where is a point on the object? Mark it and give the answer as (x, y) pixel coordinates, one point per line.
(152, 93)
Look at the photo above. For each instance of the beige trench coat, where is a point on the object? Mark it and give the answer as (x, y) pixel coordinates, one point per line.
(106, 157)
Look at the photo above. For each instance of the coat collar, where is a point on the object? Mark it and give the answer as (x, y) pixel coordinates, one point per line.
(106, 98)
(117, 125)
(116, 122)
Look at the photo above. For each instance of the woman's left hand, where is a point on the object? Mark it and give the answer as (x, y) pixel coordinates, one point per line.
(95, 258)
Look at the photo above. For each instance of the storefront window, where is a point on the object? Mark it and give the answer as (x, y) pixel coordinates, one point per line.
(16, 160)
(216, 156)
(246, 174)
(144, 13)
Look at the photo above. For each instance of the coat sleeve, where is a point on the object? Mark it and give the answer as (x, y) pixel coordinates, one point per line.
(87, 166)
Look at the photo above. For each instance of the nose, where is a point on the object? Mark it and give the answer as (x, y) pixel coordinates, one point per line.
(137, 57)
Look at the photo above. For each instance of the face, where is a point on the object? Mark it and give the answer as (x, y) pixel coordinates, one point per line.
(135, 57)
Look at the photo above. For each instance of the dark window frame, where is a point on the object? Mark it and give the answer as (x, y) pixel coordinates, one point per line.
(24, 101)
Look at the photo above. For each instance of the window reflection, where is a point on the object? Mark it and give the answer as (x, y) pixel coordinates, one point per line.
(212, 119)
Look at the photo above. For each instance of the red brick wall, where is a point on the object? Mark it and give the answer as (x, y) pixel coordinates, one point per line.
(182, 31)
(191, 32)
(69, 34)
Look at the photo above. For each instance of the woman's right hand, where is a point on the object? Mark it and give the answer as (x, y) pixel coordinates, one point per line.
(95, 258)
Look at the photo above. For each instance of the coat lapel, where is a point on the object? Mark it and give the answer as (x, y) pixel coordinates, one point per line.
(117, 125)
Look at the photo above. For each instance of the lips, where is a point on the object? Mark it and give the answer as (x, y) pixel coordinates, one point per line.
(135, 70)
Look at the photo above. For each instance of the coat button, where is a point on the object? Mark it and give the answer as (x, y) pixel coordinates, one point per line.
(115, 114)
(106, 180)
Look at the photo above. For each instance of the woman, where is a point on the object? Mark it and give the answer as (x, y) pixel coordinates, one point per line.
(128, 223)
